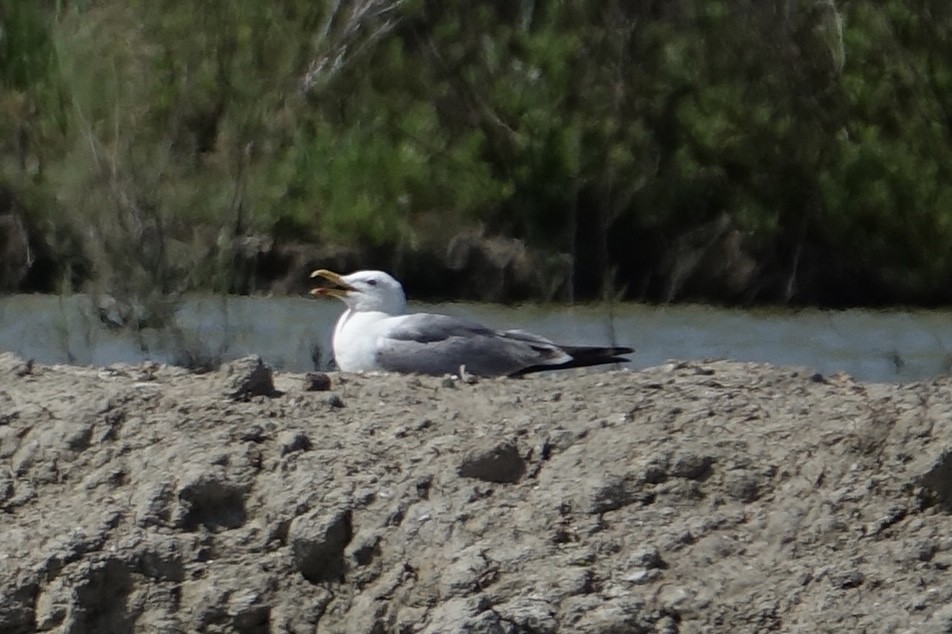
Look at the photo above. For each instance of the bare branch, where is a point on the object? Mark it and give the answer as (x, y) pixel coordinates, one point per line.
(349, 27)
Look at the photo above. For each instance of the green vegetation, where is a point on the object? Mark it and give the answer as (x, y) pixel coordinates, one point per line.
(729, 150)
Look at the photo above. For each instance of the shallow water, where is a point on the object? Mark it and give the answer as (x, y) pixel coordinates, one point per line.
(291, 333)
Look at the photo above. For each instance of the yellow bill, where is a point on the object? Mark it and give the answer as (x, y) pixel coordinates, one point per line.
(343, 287)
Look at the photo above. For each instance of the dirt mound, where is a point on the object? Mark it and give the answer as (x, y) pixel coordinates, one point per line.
(690, 497)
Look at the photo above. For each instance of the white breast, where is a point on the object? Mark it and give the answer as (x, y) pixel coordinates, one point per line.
(355, 341)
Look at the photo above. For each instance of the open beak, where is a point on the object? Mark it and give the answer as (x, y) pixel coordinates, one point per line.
(344, 288)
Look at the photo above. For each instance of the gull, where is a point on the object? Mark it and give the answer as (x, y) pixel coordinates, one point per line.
(376, 334)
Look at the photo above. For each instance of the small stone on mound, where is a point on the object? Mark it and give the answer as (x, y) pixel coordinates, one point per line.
(316, 382)
(937, 478)
(497, 463)
(609, 492)
(25, 370)
(249, 377)
(318, 540)
(293, 441)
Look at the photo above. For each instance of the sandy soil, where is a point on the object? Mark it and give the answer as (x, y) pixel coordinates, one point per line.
(693, 497)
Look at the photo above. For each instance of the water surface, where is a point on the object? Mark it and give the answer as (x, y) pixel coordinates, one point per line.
(293, 333)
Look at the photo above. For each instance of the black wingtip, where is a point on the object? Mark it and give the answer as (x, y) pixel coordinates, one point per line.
(582, 357)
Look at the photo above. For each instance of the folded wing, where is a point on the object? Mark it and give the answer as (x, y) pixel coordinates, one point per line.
(433, 344)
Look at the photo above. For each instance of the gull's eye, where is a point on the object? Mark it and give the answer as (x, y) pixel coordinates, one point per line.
(372, 282)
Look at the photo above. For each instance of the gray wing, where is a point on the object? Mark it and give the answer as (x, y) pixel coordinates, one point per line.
(426, 343)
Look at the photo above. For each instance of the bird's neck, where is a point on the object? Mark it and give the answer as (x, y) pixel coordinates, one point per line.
(352, 318)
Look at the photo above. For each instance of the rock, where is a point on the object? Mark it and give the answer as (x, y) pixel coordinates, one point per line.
(656, 469)
(556, 441)
(7, 490)
(646, 557)
(207, 498)
(527, 614)
(847, 579)
(153, 504)
(17, 614)
(691, 466)
(236, 603)
(939, 623)
(369, 615)
(334, 401)
(74, 435)
(472, 615)
(318, 539)
(25, 457)
(249, 377)
(52, 604)
(316, 382)
(596, 615)
(302, 612)
(26, 369)
(464, 576)
(495, 463)
(96, 601)
(248, 612)
(642, 575)
(158, 557)
(937, 478)
(292, 441)
(255, 434)
(365, 548)
(743, 485)
(601, 494)
(9, 441)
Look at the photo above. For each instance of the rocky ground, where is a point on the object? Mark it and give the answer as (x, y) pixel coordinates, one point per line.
(694, 497)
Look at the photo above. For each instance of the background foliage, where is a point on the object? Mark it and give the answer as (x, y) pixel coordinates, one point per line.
(728, 150)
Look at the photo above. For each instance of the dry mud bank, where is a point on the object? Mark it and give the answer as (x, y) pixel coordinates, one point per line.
(694, 497)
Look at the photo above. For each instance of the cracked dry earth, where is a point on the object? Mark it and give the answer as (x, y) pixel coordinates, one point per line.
(693, 497)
